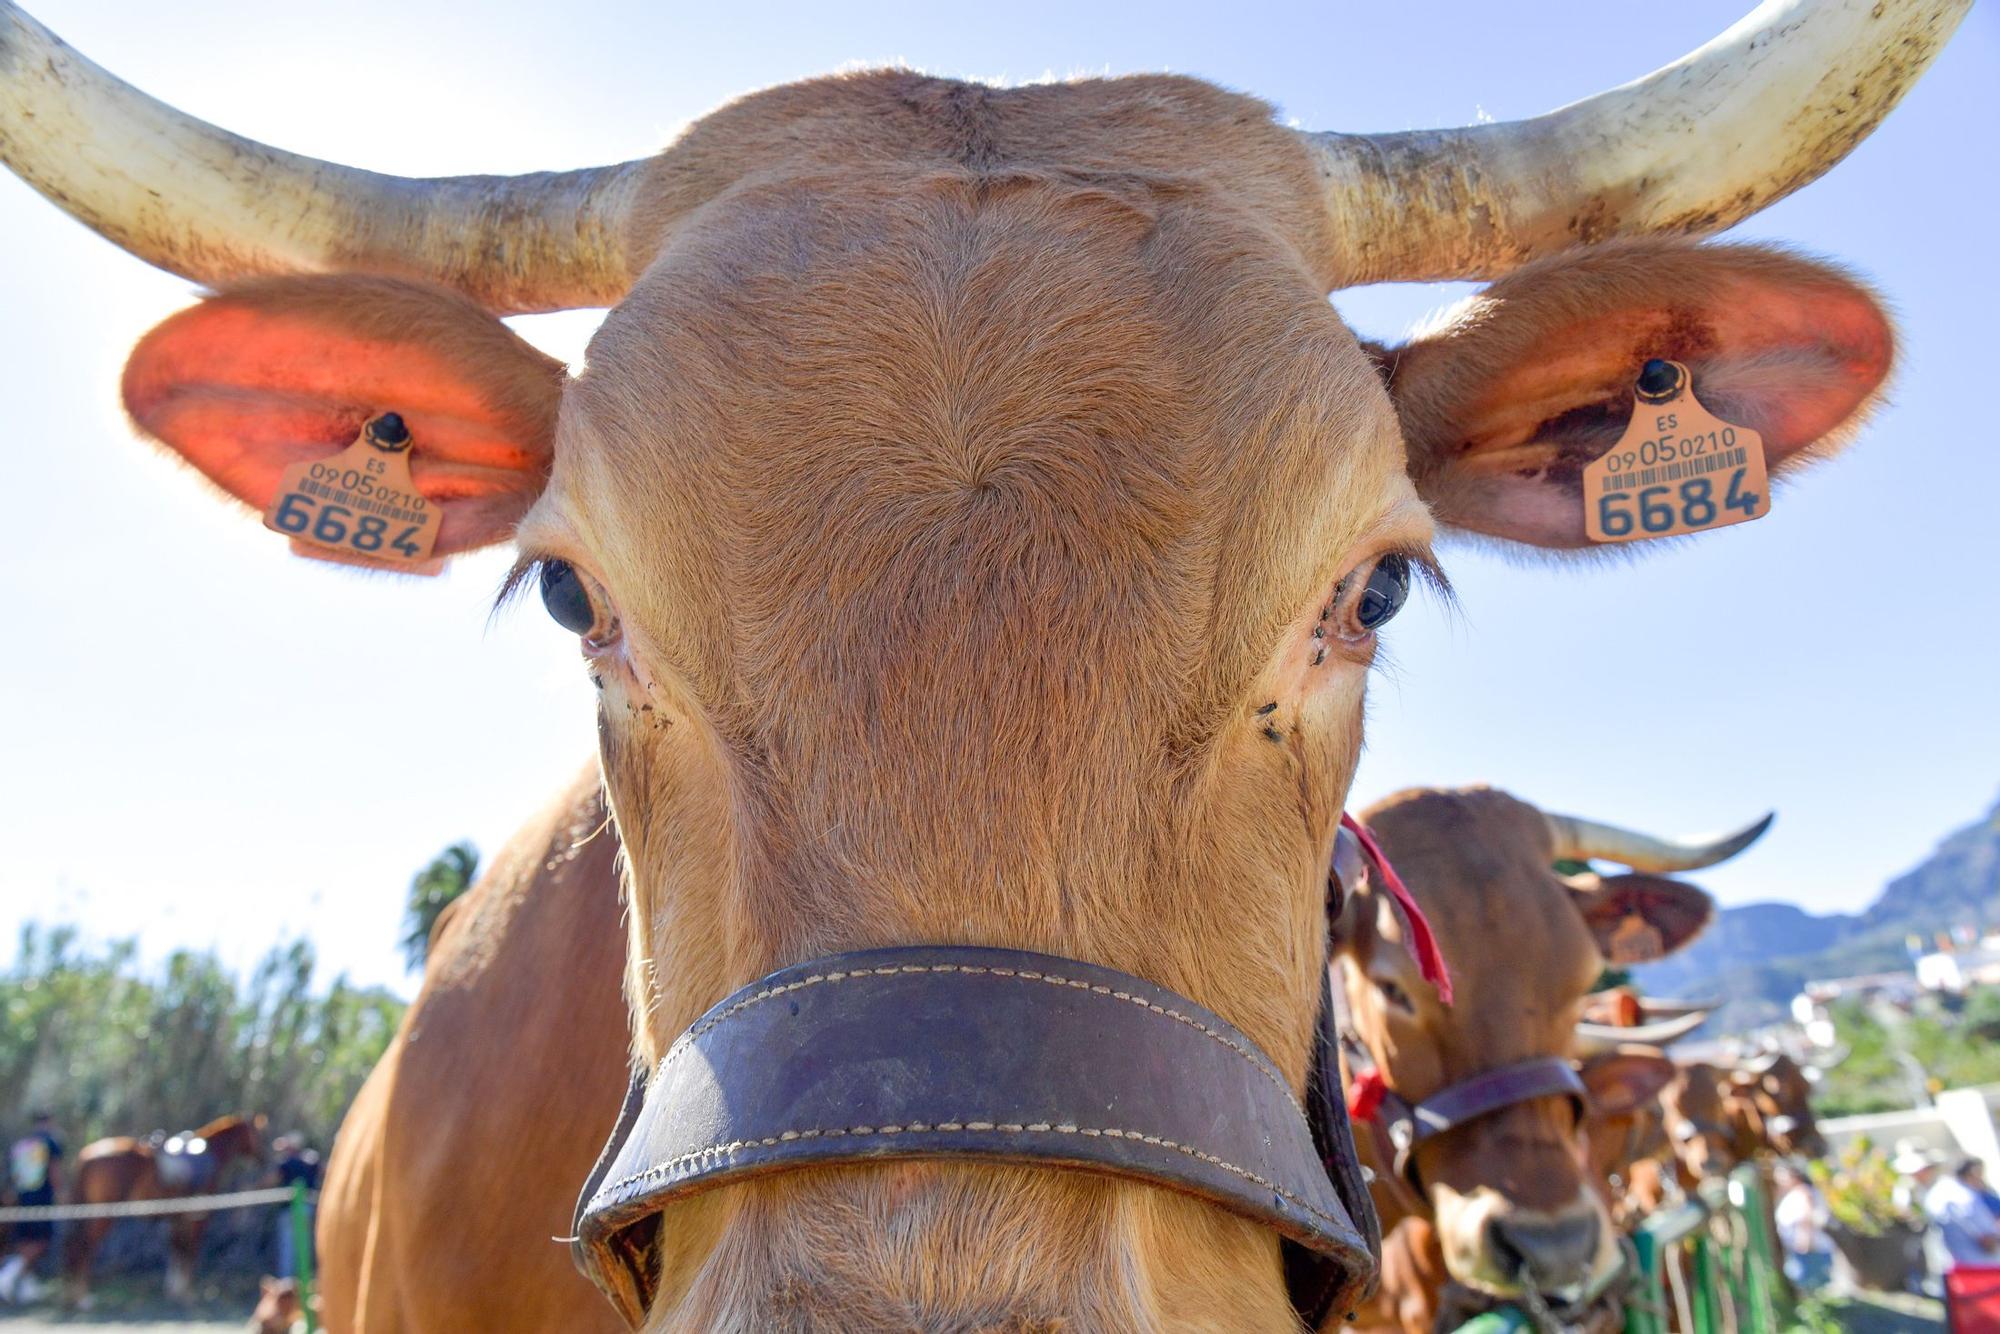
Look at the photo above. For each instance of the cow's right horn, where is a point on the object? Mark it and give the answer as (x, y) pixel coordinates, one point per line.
(1580, 840)
(203, 203)
(1692, 148)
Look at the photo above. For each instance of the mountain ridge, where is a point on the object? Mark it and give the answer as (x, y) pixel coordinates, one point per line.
(1757, 956)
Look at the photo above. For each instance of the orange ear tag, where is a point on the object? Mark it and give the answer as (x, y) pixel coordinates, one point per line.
(1678, 468)
(360, 505)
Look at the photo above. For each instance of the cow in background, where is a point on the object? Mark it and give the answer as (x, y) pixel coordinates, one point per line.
(1507, 1199)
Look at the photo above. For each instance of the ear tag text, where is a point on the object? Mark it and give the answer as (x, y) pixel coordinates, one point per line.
(360, 505)
(1677, 469)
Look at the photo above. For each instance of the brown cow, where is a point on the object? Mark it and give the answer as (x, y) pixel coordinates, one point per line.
(1777, 1097)
(979, 524)
(454, 1174)
(1719, 1117)
(1711, 1128)
(1511, 1198)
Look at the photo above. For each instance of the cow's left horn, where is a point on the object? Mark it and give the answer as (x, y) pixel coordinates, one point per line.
(202, 202)
(1598, 1039)
(1580, 840)
(1691, 148)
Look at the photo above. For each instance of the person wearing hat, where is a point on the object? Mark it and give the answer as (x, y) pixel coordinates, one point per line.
(1916, 1167)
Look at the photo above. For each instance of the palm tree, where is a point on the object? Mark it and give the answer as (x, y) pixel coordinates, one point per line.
(432, 889)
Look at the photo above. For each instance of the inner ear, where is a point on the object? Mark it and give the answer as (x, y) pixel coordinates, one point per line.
(286, 370)
(1623, 1081)
(1637, 918)
(1506, 402)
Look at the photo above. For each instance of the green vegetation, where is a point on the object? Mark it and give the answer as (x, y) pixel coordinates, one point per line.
(1860, 1190)
(111, 1048)
(1953, 1043)
(432, 890)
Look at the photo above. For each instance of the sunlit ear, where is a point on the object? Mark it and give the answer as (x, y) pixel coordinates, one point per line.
(286, 370)
(1637, 918)
(1624, 1080)
(1510, 396)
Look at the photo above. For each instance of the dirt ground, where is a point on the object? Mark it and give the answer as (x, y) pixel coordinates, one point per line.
(124, 1304)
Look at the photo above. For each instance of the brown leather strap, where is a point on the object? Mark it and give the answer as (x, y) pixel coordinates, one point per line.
(1483, 1094)
(982, 1054)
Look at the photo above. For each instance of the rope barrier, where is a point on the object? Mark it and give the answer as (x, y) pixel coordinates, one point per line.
(187, 1204)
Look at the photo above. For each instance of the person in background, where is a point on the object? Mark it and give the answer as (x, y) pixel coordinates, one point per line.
(1986, 1193)
(34, 1165)
(1801, 1218)
(1970, 1230)
(295, 1164)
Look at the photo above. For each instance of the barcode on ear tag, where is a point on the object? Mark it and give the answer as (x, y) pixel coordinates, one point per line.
(1677, 469)
(360, 505)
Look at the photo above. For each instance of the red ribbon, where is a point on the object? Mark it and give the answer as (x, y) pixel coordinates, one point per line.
(1364, 1095)
(1423, 945)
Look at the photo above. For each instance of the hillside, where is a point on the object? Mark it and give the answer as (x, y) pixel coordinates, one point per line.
(1756, 956)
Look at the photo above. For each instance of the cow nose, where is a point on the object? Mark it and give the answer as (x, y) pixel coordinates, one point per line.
(1546, 1253)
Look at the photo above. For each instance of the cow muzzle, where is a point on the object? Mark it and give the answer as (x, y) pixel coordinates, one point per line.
(1495, 1246)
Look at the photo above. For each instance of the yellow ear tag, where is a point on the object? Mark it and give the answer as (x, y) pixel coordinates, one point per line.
(1678, 468)
(360, 505)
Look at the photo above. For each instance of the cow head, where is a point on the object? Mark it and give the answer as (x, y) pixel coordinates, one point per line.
(1626, 1126)
(1777, 1091)
(1712, 1129)
(1514, 1193)
(976, 520)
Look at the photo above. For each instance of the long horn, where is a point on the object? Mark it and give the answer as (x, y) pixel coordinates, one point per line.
(1596, 1039)
(1578, 839)
(203, 203)
(1692, 148)
(1674, 1009)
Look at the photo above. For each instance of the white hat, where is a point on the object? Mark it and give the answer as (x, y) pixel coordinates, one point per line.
(1913, 1157)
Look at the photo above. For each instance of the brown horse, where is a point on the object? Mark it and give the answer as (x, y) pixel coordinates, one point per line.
(121, 1168)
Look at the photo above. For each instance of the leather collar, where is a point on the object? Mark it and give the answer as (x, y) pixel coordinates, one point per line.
(1407, 1125)
(985, 1055)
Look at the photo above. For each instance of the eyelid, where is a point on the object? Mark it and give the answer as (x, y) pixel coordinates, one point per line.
(1424, 569)
(519, 576)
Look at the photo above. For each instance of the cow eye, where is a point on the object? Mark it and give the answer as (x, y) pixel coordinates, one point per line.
(566, 598)
(1387, 589)
(1395, 997)
(1365, 605)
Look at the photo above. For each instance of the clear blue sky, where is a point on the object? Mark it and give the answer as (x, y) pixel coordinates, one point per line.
(171, 757)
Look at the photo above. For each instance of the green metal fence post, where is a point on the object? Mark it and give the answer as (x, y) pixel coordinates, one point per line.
(1642, 1313)
(302, 1253)
(1707, 1296)
(1747, 1194)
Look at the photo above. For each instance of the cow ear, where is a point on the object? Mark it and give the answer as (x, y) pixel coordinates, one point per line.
(1624, 1080)
(1638, 918)
(1506, 399)
(286, 370)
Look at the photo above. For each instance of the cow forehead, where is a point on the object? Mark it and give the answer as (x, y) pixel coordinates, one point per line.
(837, 408)
(1479, 862)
